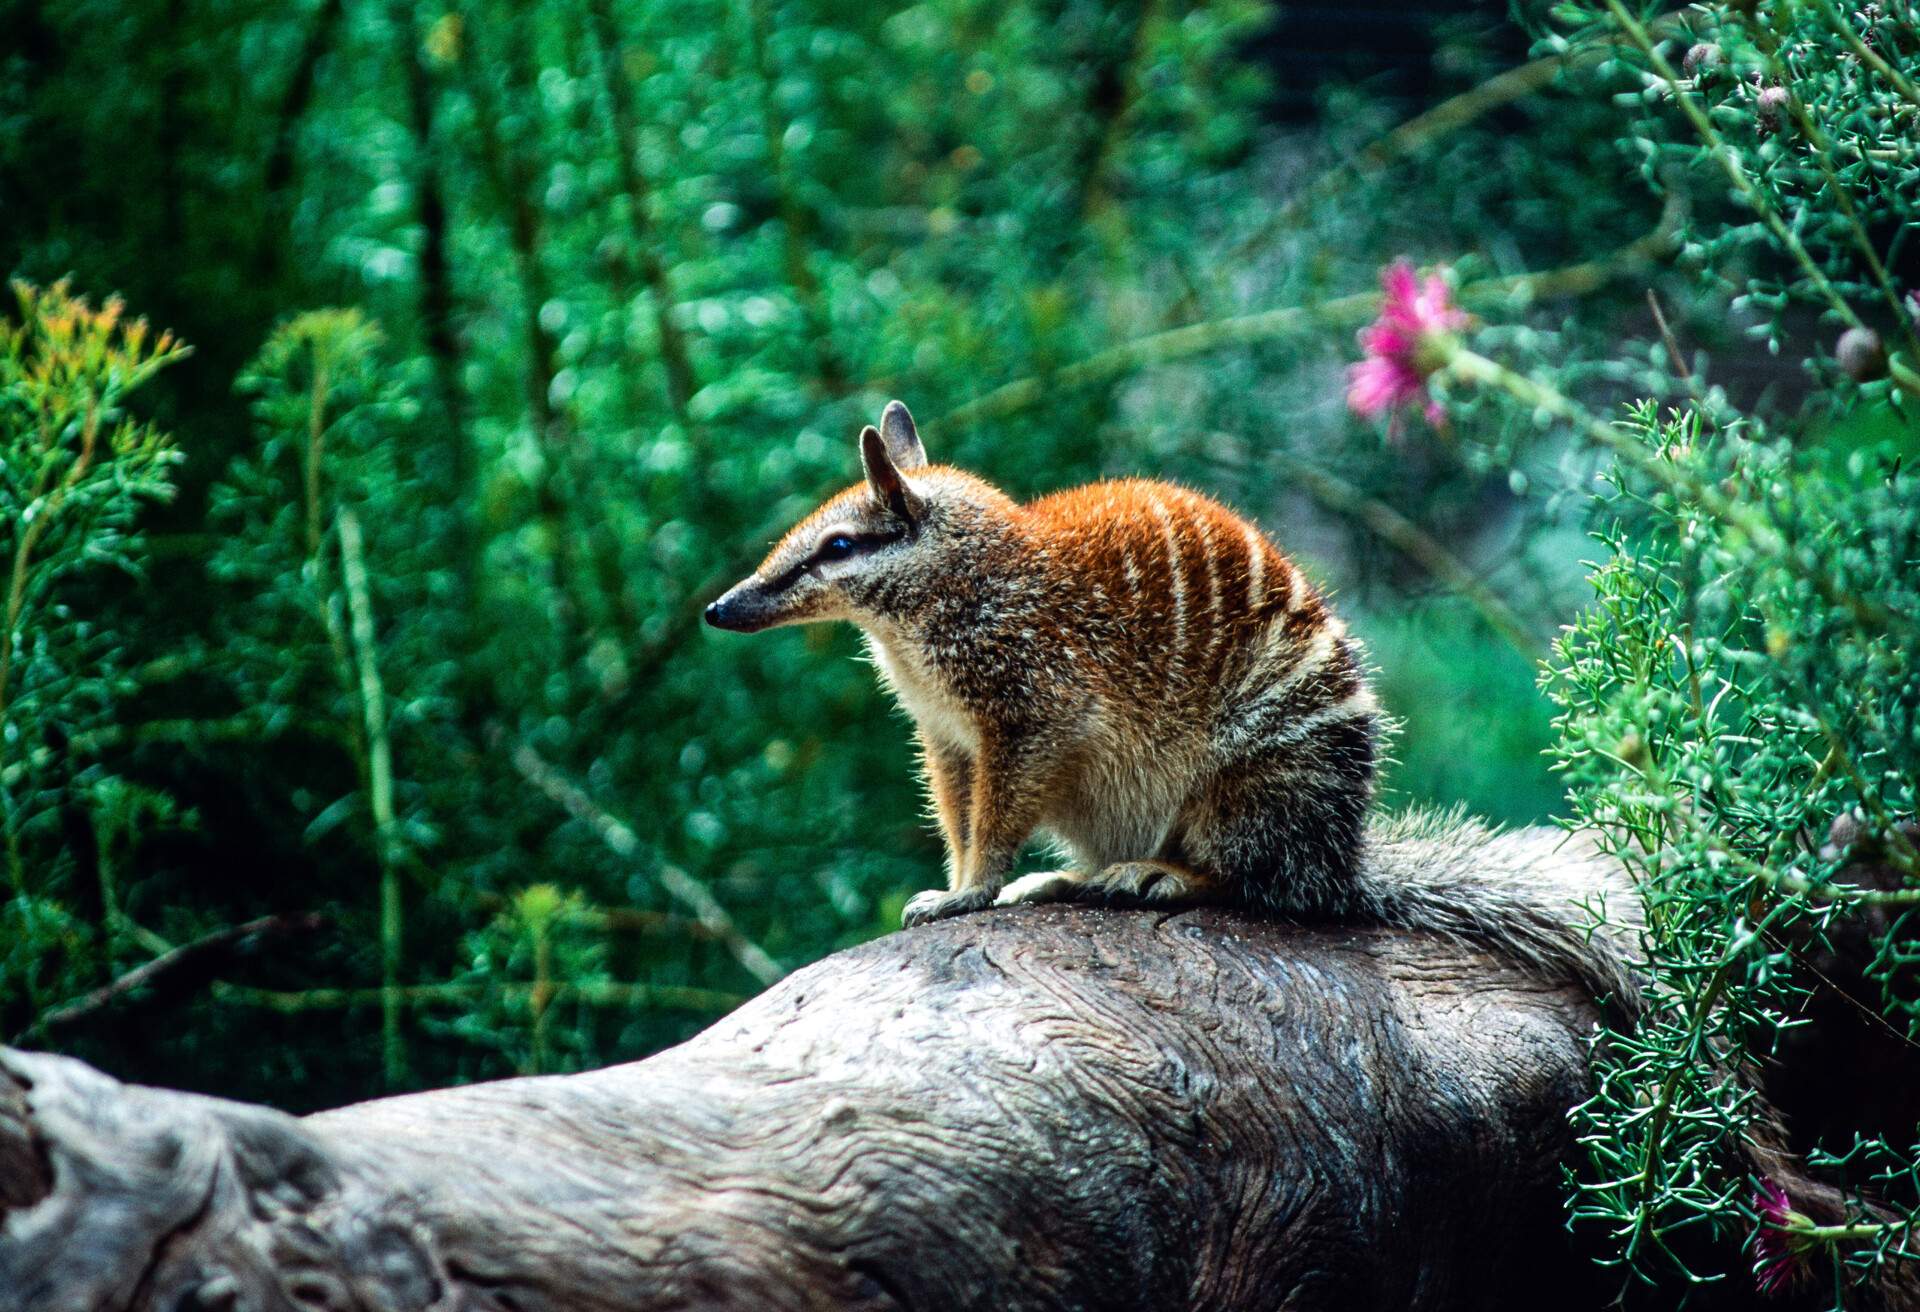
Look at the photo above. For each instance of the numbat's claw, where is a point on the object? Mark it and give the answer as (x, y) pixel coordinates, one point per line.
(938, 904)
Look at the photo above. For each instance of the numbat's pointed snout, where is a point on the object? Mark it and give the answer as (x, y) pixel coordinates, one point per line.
(743, 609)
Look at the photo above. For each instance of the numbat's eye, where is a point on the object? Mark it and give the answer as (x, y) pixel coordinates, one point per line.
(837, 547)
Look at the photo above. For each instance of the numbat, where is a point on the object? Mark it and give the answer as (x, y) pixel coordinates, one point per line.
(1137, 671)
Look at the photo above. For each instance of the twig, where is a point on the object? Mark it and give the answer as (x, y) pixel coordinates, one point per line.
(1344, 498)
(201, 952)
(373, 706)
(1199, 338)
(316, 444)
(603, 993)
(1764, 534)
(1674, 354)
(634, 920)
(1822, 149)
(619, 836)
(1449, 115)
(540, 1000)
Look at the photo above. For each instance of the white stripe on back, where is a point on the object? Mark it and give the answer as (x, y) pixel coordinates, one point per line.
(1213, 583)
(1177, 573)
(1256, 567)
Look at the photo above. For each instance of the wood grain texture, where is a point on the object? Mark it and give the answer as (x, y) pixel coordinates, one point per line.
(1041, 1108)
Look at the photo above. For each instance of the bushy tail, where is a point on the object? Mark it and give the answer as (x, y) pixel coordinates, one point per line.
(1543, 897)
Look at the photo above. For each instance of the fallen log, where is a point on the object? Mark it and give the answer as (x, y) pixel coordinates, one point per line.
(1042, 1108)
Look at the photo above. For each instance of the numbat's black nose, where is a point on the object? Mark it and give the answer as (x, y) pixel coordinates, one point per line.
(745, 609)
(738, 613)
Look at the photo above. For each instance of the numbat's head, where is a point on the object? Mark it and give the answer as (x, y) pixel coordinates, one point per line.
(871, 553)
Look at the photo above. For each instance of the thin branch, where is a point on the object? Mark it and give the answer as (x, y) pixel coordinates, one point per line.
(315, 449)
(634, 997)
(1821, 147)
(202, 953)
(373, 693)
(1200, 338)
(1760, 530)
(373, 707)
(634, 920)
(1449, 116)
(1449, 570)
(619, 836)
(1680, 367)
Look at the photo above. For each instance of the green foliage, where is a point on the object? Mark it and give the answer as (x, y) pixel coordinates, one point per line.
(1747, 676)
(75, 471)
(1718, 714)
(1801, 110)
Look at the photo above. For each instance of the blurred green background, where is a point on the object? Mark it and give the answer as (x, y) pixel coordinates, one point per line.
(519, 330)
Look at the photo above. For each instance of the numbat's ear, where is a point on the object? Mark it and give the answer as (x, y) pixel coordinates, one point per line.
(902, 438)
(883, 476)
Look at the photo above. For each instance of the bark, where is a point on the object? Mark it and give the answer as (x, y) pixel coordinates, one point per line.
(1044, 1108)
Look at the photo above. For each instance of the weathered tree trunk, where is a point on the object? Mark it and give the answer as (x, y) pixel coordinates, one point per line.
(1045, 1108)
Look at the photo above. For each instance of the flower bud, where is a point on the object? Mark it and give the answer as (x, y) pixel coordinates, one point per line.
(1702, 58)
(1770, 104)
(1861, 355)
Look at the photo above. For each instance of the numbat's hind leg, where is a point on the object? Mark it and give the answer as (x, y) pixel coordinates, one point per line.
(1123, 881)
(1150, 881)
(1043, 886)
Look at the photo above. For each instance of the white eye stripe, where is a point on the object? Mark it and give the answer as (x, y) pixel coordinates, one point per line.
(848, 531)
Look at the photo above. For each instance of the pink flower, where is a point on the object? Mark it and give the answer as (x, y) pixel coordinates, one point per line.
(1398, 363)
(1777, 1251)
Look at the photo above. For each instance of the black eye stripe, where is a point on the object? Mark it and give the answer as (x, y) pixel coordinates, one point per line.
(863, 543)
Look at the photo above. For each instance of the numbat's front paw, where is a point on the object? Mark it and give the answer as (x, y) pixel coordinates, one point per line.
(1042, 886)
(938, 904)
